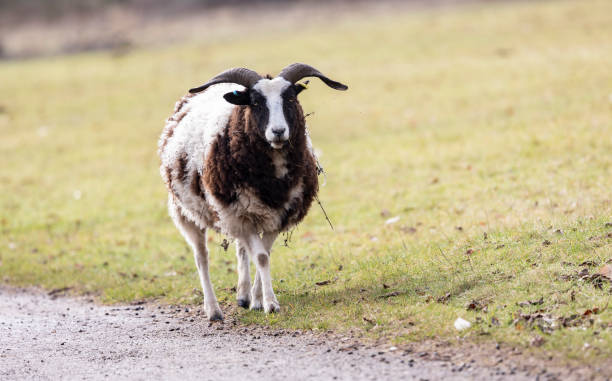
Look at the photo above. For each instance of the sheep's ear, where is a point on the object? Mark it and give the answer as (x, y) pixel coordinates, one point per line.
(238, 97)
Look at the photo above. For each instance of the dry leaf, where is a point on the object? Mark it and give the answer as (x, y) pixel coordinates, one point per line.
(389, 295)
(531, 302)
(474, 305)
(606, 271)
(537, 341)
(445, 298)
(369, 320)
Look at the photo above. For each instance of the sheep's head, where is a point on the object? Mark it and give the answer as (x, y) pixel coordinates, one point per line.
(272, 101)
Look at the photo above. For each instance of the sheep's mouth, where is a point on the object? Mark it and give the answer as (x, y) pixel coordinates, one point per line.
(277, 143)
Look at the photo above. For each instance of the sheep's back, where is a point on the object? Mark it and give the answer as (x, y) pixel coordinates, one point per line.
(184, 143)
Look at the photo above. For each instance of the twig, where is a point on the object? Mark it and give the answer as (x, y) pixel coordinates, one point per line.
(448, 261)
(58, 291)
(326, 217)
(225, 244)
(288, 235)
(320, 170)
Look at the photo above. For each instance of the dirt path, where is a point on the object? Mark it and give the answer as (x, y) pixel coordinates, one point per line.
(46, 338)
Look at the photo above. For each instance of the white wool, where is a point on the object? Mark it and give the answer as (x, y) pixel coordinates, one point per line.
(207, 114)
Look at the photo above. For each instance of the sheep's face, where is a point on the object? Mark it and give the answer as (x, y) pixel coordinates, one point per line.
(274, 108)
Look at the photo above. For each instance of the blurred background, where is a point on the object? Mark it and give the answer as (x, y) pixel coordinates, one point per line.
(30, 28)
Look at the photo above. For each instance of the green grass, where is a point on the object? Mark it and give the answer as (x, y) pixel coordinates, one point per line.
(487, 129)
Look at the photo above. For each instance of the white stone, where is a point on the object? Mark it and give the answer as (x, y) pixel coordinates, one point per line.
(461, 324)
(392, 220)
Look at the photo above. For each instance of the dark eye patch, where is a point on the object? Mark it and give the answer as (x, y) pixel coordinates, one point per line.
(257, 99)
(289, 93)
(293, 111)
(259, 110)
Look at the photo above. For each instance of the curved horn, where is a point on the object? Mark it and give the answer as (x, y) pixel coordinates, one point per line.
(297, 71)
(239, 75)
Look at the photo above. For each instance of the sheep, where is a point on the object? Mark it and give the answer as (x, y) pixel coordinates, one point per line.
(236, 158)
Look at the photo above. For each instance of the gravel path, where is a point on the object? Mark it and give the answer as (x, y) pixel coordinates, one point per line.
(42, 337)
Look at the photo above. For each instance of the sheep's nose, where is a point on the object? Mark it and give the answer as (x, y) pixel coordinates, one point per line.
(278, 131)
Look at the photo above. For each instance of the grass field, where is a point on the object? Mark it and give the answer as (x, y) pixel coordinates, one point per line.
(486, 129)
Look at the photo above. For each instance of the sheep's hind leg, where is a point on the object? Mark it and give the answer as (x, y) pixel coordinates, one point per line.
(211, 306)
(244, 278)
(256, 293)
(196, 237)
(262, 293)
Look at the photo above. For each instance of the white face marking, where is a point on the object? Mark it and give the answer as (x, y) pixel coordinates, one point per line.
(272, 89)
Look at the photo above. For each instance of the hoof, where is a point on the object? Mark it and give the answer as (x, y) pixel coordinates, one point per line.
(244, 303)
(216, 316)
(256, 305)
(272, 307)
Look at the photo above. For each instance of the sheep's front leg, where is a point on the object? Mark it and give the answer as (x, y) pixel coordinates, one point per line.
(262, 294)
(256, 291)
(244, 278)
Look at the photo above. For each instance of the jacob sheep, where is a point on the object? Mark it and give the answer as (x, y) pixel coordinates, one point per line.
(236, 158)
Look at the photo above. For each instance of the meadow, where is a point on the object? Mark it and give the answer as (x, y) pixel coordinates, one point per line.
(468, 174)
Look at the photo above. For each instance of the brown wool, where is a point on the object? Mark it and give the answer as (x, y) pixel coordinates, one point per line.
(242, 158)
